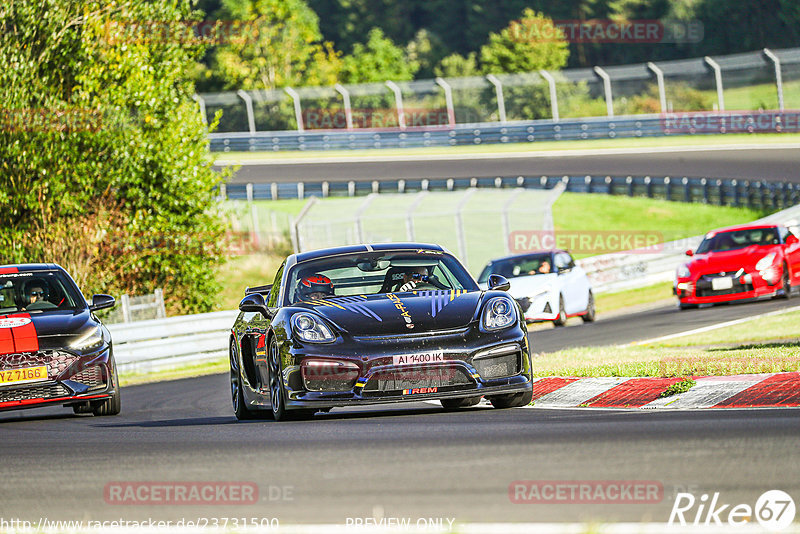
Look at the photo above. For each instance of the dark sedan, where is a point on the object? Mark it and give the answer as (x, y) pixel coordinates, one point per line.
(376, 324)
(53, 348)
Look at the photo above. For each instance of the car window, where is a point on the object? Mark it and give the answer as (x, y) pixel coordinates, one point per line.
(38, 291)
(275, 291)
(375, 272)
(518, 266)
(563, 261)
(737, 239)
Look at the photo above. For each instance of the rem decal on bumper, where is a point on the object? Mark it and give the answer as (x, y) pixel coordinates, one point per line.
(353, 304)
(417, 391)
(18, 334)
(440, 299)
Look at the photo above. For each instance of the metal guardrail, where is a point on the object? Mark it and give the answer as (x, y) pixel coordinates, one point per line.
(146, 346)
(761, 194)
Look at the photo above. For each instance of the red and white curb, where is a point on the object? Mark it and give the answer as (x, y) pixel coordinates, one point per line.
(737, 391)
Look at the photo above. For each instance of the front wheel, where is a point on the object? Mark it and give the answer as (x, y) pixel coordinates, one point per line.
(512, 400)
(589, 316)
(279, 411)
(787, 282)
(561, 320)
(113, 405)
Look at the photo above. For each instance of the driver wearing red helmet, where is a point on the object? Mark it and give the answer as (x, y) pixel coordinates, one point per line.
(315, 287)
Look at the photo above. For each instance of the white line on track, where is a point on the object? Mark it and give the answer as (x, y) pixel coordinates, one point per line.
(712, 327)
(501, 155)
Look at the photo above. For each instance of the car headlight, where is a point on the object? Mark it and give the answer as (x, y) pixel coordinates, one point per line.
(309, 328)
(90, 340)
(683, 271)
(765, 262)
(498, 313)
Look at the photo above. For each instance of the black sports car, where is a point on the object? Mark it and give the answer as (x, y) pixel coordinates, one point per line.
(53, 349)
(375, 324)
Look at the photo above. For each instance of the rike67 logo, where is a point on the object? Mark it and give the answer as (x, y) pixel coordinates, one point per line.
(774, 510)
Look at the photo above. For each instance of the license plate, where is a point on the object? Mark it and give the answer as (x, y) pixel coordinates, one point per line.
(724, 282)
(21, 376)
(423, 357)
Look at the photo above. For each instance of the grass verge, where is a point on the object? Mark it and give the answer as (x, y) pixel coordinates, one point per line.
(186, 371)
(775, 329)
(629, 298)
(538, 146)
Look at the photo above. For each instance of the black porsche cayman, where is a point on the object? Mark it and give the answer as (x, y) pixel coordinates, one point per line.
(370, 324)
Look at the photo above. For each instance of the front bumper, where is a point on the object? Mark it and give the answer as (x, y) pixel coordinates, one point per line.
(744, 286)
(71, 378)
(475, 364)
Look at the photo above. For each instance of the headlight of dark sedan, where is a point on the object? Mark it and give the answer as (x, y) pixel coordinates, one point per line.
(308, 327)
(90, 340)
(498, 313)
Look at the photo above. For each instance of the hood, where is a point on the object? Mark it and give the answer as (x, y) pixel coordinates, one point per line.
(29, 332)
(527, 286)
(399, 313)
(729, 260)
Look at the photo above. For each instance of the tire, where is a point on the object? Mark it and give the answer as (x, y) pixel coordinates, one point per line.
(512, 400)
(456, 404)
(279, 411)
(787, 283)
(237, 396)
(561, 320)
(590, 314)
(113, 405)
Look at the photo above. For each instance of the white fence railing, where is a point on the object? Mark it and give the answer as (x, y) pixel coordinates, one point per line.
(145, 346)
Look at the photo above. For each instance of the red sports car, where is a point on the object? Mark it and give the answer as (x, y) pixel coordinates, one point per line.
(740, 262)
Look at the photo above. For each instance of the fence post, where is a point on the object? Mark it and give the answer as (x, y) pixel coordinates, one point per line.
(161, 310)
(667, 188)
(662, 92)
(607, 89)
(125, 303)
(448, 98)
(297, 243)
(249, 189)
(778, 76)
(629, 181)
(298, 108)
(501, 102)
(202, 103)
(348, 111)
(553, 94)
(704, 183)
(410, 233)
(687, 190)
(735, 184)
(648, 187)
(398, 99)
(462, 238)
(248, 102)
(273, 190)
(359, 212)
(721, 192)
(718, 78)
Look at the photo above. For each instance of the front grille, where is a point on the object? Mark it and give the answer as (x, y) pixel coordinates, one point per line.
(704, 286)
(498, 366)
(459, 332)
(46, 391)
(55, 360)
(421, 377)
(91, 376)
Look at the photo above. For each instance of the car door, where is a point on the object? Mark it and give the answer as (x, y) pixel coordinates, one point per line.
(791, 240)
(573, 283)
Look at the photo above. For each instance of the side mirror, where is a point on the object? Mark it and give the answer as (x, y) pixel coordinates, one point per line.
(498, 283)
(792, 239)
(101, 302)
(254, 302)
(689, 252)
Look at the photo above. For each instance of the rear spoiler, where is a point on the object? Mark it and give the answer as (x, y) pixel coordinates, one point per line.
(264, 290)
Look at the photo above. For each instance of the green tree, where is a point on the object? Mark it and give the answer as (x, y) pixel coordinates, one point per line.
(103, 163)
(377, 60)
(456, 65)
(529, 44)
(278, 44)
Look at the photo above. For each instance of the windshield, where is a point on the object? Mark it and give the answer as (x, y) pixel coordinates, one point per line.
(519, 266)
(374, 273)
(38, 291)
(739, 239)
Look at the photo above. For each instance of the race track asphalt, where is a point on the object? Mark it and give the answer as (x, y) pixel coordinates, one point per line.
(777, 164)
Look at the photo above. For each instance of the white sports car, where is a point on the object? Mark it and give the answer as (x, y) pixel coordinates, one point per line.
(547, 285)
